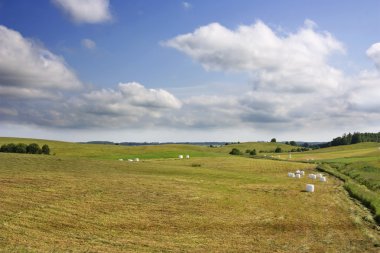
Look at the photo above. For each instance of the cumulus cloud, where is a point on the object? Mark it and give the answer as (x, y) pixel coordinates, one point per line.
(374, 53)
(86, 11)
(293, 83)
(88, 44)
(295, 63)
(27, 65)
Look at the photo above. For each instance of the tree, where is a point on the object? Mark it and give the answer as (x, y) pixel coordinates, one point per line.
(248, 151)
(235, 151)
(3, 148)
(33, 148)
(273, 140)
(356, 138)
(11, 148)
(45, 150)
(293, 143)
(278, 150)
(21, 148)
(253, 152)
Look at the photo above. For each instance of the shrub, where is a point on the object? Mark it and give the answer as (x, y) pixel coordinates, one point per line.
(33, 148)
(45, 150)
(21, 148)
(248, 151)
(278, 150)
(235, 151)
(253, 152)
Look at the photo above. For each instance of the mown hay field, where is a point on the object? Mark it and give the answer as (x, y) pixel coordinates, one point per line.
(203, 204)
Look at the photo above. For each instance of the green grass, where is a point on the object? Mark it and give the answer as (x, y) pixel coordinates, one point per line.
(357, 188)
(78, 202)
(115, 152)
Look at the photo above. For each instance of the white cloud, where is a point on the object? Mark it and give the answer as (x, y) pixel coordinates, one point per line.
(374, 53)
(186, 5)
(295, 63)
(27, 65)
(88, 44)
(86, 11)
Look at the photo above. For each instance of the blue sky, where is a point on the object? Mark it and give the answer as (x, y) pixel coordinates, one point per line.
(188, 70)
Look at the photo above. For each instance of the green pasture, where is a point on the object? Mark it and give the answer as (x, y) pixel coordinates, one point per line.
(82, 199)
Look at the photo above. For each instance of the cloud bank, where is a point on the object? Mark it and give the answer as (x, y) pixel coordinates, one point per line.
(28, 70)
(86, 11)
(293, 86)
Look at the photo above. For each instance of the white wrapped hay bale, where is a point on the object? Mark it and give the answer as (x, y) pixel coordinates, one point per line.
(292, 175)
(187, 156)
(130, 160)
(312, 176)
(180, 156)
(319, 175)
(298, 172)
(302, 173)
(137, 160)
(323, 179)
(310, 188)
(121, 159)
(298, 175)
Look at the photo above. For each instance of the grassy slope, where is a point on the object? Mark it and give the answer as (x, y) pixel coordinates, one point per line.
(98, 151)
(268, 147)
(70, 202)
(348, 153)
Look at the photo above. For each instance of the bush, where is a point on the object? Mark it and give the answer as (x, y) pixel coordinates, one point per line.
(33, 148)
(45, 150)
(248, 151)
(278, 150)
(235, 151)
(21, 148)
(273, 140)
(253, 152)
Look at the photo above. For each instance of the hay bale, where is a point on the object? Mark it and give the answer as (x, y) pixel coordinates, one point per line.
(323, 179)
(298, 175)
(187, 156)
(302, 173)
(121, 159)
(137, 160)
(298, 172)
(310, 188)
(312, 176)
(180, 156)
(130, 160)
(319, 175)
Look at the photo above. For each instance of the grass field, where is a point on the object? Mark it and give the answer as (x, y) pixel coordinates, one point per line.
(78, 202)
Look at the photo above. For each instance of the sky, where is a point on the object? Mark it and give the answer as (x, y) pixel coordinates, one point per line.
(197, 70)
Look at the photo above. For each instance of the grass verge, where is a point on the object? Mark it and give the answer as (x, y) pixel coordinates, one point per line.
(360, 192)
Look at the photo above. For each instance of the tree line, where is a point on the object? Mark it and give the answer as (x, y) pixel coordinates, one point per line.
(23, 148)
(354, 138)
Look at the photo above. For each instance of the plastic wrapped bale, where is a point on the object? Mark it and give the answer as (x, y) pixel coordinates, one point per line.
(137, 160)
(310, 188)
(121, 159)
(313, 176)
(298, 175)
(302, 173)
(187, 156)
(130, 160)
(180, 156)
(290, 174)
(319, 175)
(298, 172)
(323, 179)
